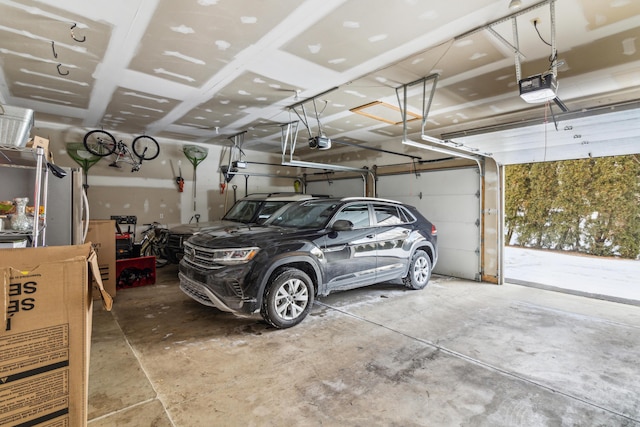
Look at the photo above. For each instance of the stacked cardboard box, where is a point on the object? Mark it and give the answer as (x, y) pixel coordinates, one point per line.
(101, 234)
(45, 338)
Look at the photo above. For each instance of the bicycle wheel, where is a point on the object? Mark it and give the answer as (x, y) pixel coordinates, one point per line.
(100, 143)
(153, 250)
(145, 147)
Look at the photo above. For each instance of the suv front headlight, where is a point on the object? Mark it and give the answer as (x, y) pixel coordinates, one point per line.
(234, 256)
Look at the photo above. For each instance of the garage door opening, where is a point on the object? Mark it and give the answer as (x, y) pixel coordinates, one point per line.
(574, 226)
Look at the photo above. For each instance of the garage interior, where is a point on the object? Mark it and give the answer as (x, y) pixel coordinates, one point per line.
(412, 101)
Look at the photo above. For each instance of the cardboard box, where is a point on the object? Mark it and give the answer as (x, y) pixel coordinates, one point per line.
(45, 336)
(43, 143)
(101, 234)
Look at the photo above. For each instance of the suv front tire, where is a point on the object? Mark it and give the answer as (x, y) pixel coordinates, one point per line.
(288, 298)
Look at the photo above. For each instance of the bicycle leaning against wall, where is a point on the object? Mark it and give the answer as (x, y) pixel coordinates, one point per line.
(102, 143)
(154, 239)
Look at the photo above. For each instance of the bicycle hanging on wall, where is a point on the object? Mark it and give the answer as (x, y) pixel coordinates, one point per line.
(103, 144)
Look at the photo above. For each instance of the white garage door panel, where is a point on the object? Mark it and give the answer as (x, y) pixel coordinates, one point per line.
(439, 208)
(457, 236)
(440, 183)
(456, 263)
(338, 187)
(448, 199)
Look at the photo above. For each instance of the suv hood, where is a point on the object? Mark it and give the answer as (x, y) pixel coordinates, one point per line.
(204, 226)
(260, 236)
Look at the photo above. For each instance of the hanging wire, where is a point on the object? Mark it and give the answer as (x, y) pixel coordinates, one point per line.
(535, 25)
(53, 48)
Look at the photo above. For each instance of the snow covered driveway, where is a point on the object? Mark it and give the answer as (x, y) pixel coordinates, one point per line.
(583, 274)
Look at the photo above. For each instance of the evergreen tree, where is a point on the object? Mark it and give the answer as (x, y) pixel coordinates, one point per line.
(574, 181)
(589, 205)
(519, 192)
(540, 206)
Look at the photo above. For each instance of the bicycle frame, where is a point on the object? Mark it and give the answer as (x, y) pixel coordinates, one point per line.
(123, 154)
(102, 143)
(153, 241)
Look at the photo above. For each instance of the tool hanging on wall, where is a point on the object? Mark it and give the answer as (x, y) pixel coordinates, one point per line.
(180, 179)
(196, 155)
(85, 159)
(178, 176)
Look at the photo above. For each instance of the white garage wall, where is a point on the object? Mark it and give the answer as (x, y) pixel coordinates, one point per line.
(450, 200)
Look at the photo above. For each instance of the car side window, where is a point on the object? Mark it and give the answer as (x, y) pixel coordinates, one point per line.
(387, 215)
(357, 214)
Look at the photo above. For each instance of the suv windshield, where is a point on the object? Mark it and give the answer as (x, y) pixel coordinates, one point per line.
(308, 214)
(246, 210)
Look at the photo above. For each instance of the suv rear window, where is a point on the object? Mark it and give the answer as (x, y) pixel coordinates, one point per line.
(387, 215)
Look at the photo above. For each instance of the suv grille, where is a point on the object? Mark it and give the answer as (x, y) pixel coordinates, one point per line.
(174, 241)
(200, 257)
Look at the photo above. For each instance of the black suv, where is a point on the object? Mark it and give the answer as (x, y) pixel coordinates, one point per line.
(307, 249)
(252, 209)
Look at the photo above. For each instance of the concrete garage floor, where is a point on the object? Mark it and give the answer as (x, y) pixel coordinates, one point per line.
(455, 354)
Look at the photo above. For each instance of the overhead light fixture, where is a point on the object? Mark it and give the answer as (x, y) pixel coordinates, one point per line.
(515, 4)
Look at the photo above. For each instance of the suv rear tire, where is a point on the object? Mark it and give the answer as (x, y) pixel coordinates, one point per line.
(419, 271)
(288, 298)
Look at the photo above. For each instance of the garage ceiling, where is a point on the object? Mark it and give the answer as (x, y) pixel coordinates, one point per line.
(203, 70)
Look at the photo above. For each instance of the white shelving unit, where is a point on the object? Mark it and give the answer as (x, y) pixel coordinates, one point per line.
(14, 158)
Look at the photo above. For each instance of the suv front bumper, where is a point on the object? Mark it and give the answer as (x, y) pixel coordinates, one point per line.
(224, 294)
(203, 295)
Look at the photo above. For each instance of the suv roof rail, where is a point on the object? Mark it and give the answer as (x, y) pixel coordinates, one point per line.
(275, 193)
(285, 193)
(375, 199)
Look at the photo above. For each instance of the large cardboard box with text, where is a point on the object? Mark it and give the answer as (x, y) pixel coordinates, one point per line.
(102, 235)
(45, 338)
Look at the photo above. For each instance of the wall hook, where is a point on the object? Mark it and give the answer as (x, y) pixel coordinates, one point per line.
(53, 48)
(60, 72)
(74, 37)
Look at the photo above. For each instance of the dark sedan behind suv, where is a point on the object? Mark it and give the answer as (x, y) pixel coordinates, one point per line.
(307, 249)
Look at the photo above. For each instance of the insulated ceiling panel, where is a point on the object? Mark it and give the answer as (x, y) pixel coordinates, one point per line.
(132, 111)
(42, 61)
(343, 38)
(190, 41)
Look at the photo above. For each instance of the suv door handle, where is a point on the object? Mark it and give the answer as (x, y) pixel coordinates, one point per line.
(370, 236)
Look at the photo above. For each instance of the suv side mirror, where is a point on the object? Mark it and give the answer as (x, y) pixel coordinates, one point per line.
(342, 225)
